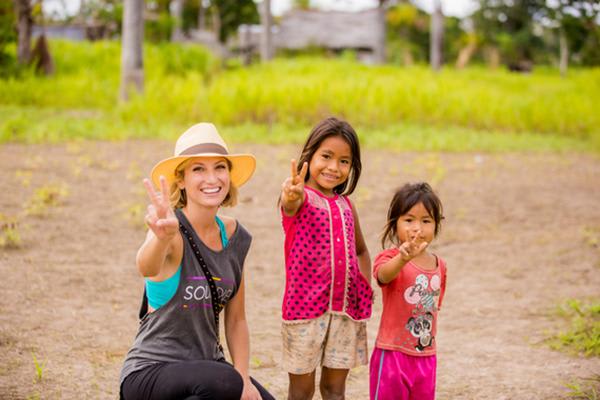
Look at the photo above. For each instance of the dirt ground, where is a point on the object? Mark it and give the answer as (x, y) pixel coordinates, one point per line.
(518, 239)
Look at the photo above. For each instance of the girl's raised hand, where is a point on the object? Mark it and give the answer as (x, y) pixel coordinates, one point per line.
(412, 247)
(293, 187)
(160, 217)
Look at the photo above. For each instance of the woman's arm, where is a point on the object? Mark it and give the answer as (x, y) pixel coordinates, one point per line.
(238, 341)
(162, 238)
(362, 252)
(156, 256)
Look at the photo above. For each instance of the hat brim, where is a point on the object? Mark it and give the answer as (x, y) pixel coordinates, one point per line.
(242, 167)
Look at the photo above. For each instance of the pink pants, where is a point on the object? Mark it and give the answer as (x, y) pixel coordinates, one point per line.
(397, 376)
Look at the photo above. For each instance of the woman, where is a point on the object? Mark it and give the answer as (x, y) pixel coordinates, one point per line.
(192, 261)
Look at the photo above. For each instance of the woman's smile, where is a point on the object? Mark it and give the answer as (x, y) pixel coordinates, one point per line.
(213, 190)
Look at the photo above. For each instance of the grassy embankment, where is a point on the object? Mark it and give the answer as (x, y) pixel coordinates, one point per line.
(394, 108)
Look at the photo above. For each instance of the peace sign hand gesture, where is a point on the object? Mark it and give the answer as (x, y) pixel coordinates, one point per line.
(160, 217)
(292, 191)
(412, 247)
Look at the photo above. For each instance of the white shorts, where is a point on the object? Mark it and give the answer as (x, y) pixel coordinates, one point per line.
(332, 340)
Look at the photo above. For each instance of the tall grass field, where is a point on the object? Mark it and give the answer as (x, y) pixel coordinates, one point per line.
(391, 107)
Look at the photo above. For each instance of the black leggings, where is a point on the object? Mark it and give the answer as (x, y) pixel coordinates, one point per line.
(187, 380)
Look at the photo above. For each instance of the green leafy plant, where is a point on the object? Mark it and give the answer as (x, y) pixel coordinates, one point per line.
(591, 236)
(9, 232)
(134, 214)
(44, 198)
(583, 333)
(584, 389)
(24, 176)
(39, 368)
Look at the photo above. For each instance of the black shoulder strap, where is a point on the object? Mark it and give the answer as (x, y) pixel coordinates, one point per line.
(217, 305)
(144, 305)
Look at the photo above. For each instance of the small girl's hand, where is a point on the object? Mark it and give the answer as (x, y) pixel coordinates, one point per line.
(160, 217)
(292, 189)
(412, 247)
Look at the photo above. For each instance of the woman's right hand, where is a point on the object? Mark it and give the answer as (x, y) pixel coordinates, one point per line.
(292, 189)
(160, 217)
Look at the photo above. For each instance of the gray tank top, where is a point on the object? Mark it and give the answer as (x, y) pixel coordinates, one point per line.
(184, 328)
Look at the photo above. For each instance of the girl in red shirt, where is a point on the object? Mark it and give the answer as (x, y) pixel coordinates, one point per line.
(412, 281)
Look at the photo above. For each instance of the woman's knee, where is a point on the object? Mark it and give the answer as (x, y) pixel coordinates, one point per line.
(204, 379)
(223, 382)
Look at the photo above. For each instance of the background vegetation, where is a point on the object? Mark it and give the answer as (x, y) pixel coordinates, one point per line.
(407, 108)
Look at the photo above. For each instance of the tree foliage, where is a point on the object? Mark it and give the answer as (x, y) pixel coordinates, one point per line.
(526, 30)
(234, 13)
(408, 35)
(7, 25)
(509, 25)
(579, 21)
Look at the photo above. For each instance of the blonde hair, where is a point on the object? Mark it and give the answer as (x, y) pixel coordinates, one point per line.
(178, 196)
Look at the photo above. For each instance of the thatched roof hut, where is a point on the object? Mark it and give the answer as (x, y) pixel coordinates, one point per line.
(333, 30)
(329, 29)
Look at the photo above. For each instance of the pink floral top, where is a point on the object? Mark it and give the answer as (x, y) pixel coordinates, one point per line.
(322, 270)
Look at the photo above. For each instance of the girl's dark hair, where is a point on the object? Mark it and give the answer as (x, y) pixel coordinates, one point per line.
(334, 127)
(406, 198)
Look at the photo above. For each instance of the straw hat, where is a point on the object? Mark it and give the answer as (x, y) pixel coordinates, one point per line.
(203, 140)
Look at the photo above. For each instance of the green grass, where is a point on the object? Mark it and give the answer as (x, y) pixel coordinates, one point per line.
(39, 368)
(392, 107)
(582, 334)
(35, 125)
(585, 389)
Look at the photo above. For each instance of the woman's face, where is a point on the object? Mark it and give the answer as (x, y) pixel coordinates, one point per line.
(206, 181)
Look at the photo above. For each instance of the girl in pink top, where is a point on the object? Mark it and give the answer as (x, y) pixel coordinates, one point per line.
(328, 296)
(413, 281)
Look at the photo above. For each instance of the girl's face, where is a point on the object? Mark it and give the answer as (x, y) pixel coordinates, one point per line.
(206, 181)
(330, 165)
(416, 223)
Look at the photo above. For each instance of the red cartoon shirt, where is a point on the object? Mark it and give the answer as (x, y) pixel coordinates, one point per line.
(410, 307)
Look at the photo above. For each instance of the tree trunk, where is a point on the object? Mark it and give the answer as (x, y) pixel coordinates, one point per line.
(266, 38)
(465, 54)
(379, 53)
(564, 53)
(176, 9)
(41, 57)
(24, 28)
(216, 22)
(201, 16)
(245, 44)
(492, 56)
(436, 38)
(407, 57)
(132, 62)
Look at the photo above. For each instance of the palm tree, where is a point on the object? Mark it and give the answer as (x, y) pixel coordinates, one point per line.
(132, 62)
(24, 28)
(437, 34)
(266, 39)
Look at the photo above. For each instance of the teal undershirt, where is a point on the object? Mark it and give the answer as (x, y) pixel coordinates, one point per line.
(159, 293)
